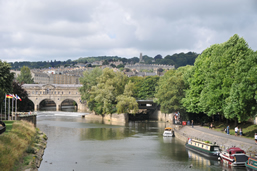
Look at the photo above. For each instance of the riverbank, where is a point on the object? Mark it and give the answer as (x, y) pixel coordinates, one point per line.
(22, 147)
(223, 140)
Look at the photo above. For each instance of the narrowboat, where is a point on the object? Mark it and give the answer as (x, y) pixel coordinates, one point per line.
(233, 156)
(168, 132)
(204, 148)
(251, 164)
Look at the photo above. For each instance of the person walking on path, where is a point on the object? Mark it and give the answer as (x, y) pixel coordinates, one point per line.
(192, 123)
(236, 130)
(228, 129)
(240, 132)
(255, 137)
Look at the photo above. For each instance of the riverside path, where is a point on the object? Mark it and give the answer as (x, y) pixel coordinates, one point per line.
(222, 139)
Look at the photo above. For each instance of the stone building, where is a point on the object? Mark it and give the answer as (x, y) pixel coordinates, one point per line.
(139, 67)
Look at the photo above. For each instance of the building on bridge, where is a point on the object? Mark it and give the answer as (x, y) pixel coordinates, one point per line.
(58, 93)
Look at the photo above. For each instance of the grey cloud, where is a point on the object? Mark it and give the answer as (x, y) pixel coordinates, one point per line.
(61, 30)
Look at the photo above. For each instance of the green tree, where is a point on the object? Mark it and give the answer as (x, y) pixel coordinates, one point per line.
(25, 76)
(6, 78)
(147, 87)
(88, 80)
(25, 104)
(137, 85)
(103, 96)
(126, 103)
(170, 90)
(219, 77)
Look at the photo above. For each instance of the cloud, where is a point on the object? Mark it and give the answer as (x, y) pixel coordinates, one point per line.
(52, 29)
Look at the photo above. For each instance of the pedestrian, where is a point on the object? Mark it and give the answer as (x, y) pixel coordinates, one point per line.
(236, 130)
(240, 132)
(255, 137)
(228, 129)
(192, 123)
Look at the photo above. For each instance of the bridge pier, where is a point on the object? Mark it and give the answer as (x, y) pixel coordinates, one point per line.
(35, 107)
(58, 107)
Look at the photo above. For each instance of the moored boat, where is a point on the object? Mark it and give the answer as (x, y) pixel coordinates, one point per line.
(168, 132)
(233, 156)
(251, 164)
(204, 148)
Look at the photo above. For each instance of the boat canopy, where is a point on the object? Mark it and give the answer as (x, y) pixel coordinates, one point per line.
(168, 128)
(235, 150)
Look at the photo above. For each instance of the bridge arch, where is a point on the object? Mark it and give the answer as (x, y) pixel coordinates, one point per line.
(55, 92)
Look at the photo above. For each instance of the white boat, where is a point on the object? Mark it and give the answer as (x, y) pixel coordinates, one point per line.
(168, 132)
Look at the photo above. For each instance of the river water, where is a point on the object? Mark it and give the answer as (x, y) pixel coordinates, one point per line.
(76, 143)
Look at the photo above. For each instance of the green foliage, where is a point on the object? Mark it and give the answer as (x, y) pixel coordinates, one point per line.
(126, 103)
(6, 78)
(25, 76)
(170, 90)
(25, 104)
(144, 87)
(109, 86)
(223, 81)
(105, 62)
(88, 80)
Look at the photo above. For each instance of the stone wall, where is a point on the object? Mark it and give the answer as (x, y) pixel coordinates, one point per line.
(119, 119)
(166, 117)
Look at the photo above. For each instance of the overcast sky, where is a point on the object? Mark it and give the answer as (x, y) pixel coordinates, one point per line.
(42, 30)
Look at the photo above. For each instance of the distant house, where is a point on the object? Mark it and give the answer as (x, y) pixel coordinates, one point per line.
(97, 63)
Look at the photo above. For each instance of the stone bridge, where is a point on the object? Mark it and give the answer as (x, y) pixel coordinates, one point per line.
(55, 92)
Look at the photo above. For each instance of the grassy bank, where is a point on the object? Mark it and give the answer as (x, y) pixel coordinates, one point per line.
(248, 128)
(8, 125)
(18, 146)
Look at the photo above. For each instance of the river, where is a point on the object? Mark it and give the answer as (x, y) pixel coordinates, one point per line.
(76, 143)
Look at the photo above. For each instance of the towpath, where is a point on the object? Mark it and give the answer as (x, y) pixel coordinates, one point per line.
(220, 138)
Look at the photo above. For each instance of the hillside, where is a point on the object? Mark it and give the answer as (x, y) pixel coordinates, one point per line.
(181, 59)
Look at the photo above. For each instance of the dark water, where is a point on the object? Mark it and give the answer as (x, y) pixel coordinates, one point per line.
(78, 144)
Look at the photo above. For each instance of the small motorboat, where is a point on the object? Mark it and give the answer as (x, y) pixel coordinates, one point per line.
(251, 164)
(168, 132)
(233, 156)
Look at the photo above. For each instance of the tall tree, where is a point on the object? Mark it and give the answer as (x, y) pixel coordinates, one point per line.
(88, 80)
(25, 104)
(103, 96)
(6, 78)
(170, 90)
(218, 76)
(127, 103)
(25, 76)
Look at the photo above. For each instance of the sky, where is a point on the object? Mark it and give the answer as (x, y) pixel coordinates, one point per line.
(44, 30)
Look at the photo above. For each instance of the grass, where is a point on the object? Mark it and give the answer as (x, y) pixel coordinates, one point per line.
(8, 125)
(248, 128)
(14, 143)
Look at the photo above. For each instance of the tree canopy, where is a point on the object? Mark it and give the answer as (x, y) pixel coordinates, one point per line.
(25, 76)
(170, 90)
(6, 78)
(88, 80)
(223, 81)
(111, 93)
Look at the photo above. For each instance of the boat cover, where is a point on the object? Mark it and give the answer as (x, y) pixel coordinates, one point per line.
(241, 158)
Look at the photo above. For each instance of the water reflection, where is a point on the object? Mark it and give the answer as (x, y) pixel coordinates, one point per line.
(76, 143)
(202, 162)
